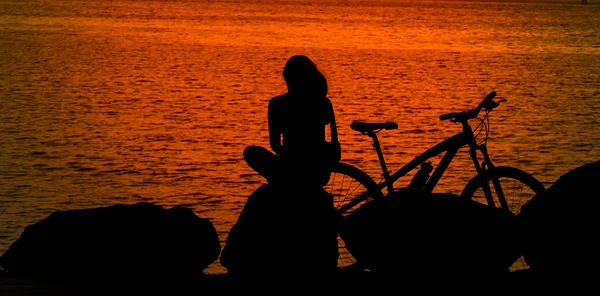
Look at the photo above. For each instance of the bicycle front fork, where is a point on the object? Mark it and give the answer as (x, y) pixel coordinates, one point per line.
(486, 168)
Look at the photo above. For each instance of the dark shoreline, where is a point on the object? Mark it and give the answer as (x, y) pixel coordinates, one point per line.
(348, 282)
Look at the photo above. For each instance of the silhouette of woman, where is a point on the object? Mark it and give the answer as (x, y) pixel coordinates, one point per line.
(298, 122)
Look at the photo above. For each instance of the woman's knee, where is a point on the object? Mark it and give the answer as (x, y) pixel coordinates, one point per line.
(260, 159)
(248, 152)
(254, 153)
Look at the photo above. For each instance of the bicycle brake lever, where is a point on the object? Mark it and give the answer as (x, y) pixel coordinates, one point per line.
(493, 104)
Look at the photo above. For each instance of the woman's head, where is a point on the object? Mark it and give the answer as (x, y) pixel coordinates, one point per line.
(302, 76)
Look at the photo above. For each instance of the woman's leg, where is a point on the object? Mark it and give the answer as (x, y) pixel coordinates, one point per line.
(261, 160)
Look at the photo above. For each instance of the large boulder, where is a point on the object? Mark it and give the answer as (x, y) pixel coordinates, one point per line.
(118, 242)
(283, 233)
(561, 224)
(432, 234)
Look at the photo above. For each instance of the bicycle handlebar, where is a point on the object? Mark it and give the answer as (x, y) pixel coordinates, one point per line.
(487, 103)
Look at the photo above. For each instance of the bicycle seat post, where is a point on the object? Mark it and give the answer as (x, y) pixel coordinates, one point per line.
(385, 172)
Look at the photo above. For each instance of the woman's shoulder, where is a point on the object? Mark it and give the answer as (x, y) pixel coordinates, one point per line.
(279, 100)
(281, 97)
(328, 104)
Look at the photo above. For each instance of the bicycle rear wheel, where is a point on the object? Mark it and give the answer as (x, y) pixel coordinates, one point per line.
(350, 188)
(517, 186)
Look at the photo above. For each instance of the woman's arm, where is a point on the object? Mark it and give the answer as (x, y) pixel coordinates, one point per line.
(332, 124)
(337, 149)
(333, 127)
(274, 127)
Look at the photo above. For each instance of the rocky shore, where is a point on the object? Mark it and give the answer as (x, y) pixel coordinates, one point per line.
(143, 249)
(342, 282)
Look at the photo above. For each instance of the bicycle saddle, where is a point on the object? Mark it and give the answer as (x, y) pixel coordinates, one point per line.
(365, 127)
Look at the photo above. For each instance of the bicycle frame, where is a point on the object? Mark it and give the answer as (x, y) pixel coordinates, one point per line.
(450, 146)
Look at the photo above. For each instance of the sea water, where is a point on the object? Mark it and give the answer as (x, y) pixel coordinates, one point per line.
(105, 102)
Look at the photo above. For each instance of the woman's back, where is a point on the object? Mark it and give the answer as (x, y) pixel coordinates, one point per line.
(300, 121)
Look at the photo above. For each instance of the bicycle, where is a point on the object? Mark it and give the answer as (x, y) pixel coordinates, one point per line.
(512, 187)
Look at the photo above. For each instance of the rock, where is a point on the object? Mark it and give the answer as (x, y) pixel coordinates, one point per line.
(118, 242)
(431, 234)
(283, 231)
(561, 224)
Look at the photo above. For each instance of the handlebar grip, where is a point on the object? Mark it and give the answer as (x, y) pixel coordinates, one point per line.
(490, 96)
(486, 101)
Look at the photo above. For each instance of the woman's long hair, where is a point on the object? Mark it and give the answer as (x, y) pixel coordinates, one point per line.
(303, 77)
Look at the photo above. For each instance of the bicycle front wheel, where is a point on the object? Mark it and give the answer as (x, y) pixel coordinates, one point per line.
(517, 186)
(350, 188)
